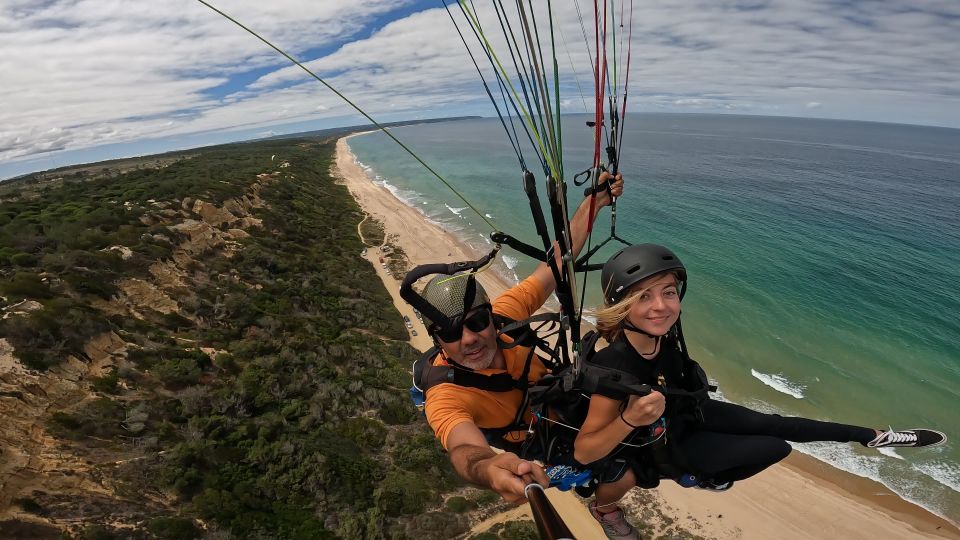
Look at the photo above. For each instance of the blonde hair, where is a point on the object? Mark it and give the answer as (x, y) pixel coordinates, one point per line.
(610, 317)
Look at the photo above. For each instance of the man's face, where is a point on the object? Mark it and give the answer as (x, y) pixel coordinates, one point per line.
(477, 345)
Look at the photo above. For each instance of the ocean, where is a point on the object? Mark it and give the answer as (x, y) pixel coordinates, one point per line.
(824, 259)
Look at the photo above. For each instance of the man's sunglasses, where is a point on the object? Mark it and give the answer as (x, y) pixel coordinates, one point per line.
(477, 322)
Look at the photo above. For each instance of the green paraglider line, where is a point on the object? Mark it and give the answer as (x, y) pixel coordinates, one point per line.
(354, 105)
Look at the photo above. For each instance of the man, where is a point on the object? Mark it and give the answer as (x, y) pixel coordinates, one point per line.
(458, 413)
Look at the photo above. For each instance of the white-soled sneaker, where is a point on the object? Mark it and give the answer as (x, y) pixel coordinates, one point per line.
(614, 524)
(710, 485)
(909, 438)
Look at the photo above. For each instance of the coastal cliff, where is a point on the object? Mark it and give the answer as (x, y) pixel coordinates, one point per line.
(195, 347)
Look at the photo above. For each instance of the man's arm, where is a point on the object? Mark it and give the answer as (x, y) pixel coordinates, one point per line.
(477, 463)
(579, 224)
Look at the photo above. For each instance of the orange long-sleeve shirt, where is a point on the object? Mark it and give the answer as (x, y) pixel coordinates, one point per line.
(448, 405)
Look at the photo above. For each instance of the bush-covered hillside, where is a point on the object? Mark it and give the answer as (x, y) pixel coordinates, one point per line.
(257, 382)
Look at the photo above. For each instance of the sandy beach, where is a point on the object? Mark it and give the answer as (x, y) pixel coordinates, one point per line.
(800, 498)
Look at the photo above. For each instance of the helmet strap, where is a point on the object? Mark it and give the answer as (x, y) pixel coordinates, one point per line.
(470, 293)
(447, 359)
(627, 325)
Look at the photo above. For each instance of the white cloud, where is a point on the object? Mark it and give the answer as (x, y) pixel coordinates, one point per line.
(82, 65)
(83, 73)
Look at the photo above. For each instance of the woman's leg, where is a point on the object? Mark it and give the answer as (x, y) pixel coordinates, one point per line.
(725, 417)
(722, 457)
(609, 494)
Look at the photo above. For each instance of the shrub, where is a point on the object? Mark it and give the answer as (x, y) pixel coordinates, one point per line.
(100, 417)
(97, 532)
(402, 492)
(437, 525)
(460, 504)
(170, 528)
(107, 384)
(23, 259)
(228, 363)
(519, 530)
(178, 372)
(90, 283)
(175, 321)
(45, 337)
(366, 432)
(26, 285)
(398, 411)
(485, 497)
(65, 421)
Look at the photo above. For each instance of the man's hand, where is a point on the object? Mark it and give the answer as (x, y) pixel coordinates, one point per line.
(616, 188)
(645, 410)
(580, 224)
(477, 463)
(508, 475)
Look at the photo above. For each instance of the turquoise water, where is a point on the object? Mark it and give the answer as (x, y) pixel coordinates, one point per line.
(824, 259)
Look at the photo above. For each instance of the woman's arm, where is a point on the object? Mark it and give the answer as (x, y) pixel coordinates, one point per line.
(605, 427)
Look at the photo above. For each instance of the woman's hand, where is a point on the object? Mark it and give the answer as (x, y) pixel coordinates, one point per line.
(645, 410)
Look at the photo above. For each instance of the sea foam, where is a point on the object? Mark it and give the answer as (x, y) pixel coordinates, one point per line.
(905, 478)
(780, 383)
(401, 196)
(907, 482)
(890, 452)
(457, 211)
(944, 472)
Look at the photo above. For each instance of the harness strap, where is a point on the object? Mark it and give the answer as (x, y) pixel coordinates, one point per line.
(501, 382)
(427, 375)
(521, 332)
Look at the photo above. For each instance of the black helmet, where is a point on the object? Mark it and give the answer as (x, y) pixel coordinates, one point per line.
(449, 296)
(633, 264)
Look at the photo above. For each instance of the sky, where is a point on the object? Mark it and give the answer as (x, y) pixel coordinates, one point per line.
(89, 80)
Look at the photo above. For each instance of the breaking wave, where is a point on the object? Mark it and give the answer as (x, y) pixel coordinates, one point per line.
(780, 383)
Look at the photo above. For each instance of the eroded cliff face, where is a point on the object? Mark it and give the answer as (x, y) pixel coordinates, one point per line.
(33, 461)
(71, 479)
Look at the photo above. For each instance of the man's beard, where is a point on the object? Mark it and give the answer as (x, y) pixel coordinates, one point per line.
(481, 362)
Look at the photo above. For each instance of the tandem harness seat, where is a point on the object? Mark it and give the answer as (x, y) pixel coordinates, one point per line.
(559, 402)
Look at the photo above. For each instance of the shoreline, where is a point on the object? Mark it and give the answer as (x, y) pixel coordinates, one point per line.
(790, 500)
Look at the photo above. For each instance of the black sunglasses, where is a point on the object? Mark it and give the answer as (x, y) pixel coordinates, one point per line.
(477, 322)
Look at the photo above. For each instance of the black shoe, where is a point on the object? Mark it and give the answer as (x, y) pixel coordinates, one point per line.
(710, 485)
(910, 438)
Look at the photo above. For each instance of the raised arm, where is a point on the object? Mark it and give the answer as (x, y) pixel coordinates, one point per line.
(579, 225)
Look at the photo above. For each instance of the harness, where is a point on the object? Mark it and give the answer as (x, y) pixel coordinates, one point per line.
(426, 375)
(560, 403)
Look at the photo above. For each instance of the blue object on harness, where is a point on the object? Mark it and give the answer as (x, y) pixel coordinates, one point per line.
(417, 397)
(564, 477)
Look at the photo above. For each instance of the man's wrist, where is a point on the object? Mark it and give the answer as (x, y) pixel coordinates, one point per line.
(475, 468)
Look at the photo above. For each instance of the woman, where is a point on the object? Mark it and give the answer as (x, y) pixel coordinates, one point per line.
(676, 431)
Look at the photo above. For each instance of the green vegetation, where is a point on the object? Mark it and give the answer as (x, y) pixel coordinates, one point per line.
(511, 530)
(299, 426)
(460, 504)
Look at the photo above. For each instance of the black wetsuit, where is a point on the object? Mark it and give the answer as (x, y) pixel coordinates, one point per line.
(731, 442)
